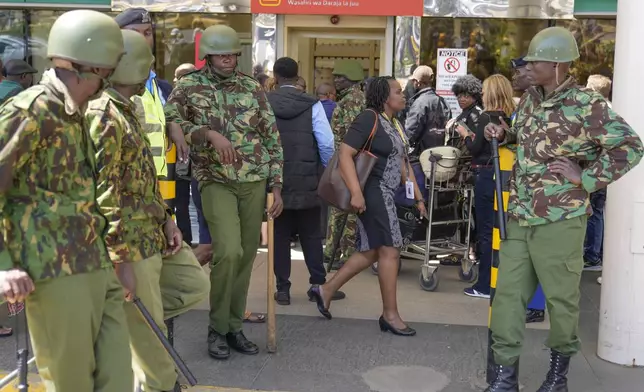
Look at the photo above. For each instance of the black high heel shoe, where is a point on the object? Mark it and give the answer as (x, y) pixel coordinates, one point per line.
(385, 326)
(314, 292)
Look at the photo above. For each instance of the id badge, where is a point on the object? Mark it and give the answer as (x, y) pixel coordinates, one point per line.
(409, 189)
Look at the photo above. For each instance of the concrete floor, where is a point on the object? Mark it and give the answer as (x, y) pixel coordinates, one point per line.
(350, 354)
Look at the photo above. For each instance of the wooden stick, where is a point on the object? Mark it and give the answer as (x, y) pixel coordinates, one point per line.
(271, 342)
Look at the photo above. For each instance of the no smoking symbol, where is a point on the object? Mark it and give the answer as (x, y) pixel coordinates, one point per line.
(452, 64)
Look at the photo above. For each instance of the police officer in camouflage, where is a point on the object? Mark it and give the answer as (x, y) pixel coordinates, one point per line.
(142, 232)
(569, 143)
(52, 250)
(349, 76)
(236, 153)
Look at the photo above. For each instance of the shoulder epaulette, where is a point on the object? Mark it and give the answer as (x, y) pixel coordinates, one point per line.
(100, 103)
(190, 73)
(26, 98)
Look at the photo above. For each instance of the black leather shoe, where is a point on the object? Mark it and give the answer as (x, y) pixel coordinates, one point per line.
(314, 292)
(338, 295)
(556, 379)
(386, 327)
(535, 316)
(217, 345)
(282, 298)
(505, 381)
(238, 342)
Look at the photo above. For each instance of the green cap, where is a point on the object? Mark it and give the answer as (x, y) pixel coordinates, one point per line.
(555, 45)
(219, 39)
(86, 37)
(134, 67)
(350, 69)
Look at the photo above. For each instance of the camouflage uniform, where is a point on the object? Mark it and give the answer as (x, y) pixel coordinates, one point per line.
(547, 213)
(129, 196)
(233, 196)
(351, 102)
(51, 225)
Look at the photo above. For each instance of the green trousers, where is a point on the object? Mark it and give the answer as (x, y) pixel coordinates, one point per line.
(347, 237)
(167, 286)
(79, 333)
(234, 214)
(550, 254)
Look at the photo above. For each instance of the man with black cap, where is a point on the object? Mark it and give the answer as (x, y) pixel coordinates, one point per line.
(19, 75)
(149, 106)
(520, 81)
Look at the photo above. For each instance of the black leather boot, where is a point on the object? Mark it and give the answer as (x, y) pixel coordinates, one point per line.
(556, 380)
(217, 345)
(505, 381)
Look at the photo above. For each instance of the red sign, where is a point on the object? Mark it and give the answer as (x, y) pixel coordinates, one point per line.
(339, 7)
(452, 64)
(198, 63)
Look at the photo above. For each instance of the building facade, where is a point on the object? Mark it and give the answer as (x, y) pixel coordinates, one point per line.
(386, 37)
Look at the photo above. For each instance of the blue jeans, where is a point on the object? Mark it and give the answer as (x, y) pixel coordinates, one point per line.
(538, 301)
(594, 243)
(484, 214)
(204, 233)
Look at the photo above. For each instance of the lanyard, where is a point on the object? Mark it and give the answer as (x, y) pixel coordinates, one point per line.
(398, 127)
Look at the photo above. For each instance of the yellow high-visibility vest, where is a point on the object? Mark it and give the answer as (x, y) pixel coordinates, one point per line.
(155, 127)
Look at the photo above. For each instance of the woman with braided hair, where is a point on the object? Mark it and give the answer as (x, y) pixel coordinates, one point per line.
(379, 237)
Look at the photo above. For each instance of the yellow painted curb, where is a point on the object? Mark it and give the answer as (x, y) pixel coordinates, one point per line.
(36, 386)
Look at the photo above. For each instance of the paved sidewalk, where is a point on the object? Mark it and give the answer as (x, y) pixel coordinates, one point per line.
(350, 354)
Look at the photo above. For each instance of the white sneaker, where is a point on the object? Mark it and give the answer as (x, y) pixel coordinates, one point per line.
(472, 292)
(599, 280)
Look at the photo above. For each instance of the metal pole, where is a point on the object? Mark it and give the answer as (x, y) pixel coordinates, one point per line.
(181, 365)
(8, 379)
(505, 158)
(271, 338)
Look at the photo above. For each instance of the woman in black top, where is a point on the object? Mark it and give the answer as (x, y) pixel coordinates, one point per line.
(499, 105)
(379, 237)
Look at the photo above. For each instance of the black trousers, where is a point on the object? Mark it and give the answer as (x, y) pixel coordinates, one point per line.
(305, 223)
(182, 209)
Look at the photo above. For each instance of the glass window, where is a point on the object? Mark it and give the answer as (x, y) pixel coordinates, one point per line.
(491, 43)
(596, 40)
(175, 38)
(39, 27)
(12, 35)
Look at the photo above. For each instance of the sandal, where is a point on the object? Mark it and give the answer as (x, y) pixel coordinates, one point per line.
(254, 318)
(5, 332)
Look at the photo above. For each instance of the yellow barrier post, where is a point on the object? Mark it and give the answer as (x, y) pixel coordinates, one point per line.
(168, 188)
(506, 157)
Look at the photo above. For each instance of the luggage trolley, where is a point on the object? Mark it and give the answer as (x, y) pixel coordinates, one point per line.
(448, 179)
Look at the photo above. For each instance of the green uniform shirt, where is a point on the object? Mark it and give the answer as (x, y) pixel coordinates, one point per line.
(128, 190)
(8, 89)
(51, 224)
(237, 108)
(570, 123)
(351, 103)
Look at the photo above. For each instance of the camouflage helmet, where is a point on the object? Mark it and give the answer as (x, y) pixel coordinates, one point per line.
(87, 38)
(555, 45)
(219, 39)
(134, 67)
(350, 69)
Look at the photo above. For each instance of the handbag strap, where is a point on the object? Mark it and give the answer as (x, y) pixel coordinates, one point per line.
(367, 144)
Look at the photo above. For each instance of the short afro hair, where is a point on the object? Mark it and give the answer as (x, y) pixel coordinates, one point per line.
(285, 67)
(468, 85)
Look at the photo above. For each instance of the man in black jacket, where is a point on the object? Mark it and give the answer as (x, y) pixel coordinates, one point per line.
(428, 114)
(307, 141)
